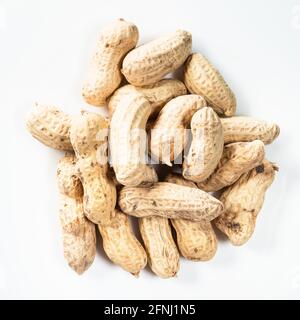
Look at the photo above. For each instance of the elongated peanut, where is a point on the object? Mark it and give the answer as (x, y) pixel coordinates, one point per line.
(206, 147)
(202, 78)
(196, 240)
(88, 135)
(169, 135)
(237, 159)
(104, 74)
(50, 126)
(161, 249)
(128, 141)
(121, 246)
(150, 62)
(157, 94)
(169, 200)
(238, 129)
(79, 237)
(243, 201)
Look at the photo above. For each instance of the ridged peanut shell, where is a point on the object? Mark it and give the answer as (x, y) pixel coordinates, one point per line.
(50, 126)
(243, 129)
(201, 77)
(149, 63)
(243, 201)
(169, 200)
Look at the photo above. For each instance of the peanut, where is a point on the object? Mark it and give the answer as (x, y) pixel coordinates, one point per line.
(104, 75)
(196, 240)
(169, 200)
(157, 94)
(237, 159)
(79, 237)
(239, 129)
(121, 246)
(50, 126)
(243, 201)
(168, 135)
(162, 252)
(206, 147)
(92, 168)
(150, 62)
(201, 77)
(127, 146)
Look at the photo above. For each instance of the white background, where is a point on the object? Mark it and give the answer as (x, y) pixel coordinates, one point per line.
(44, 48)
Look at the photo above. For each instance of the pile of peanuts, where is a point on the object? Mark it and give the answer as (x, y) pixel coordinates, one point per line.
(105, 175)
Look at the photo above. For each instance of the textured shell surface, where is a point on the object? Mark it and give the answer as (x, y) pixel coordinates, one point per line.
(50, 126)
(121, 245)
(103, 74)
(240, 128)
(79, 235)
(202, 78)
(169, 200)
(168, 135)
(243, 201)
(161, 249)
(237, 159)
(207, 145)
(150, 62)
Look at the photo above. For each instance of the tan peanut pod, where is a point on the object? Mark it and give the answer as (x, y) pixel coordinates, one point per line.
(157, 94)
(169, 200)
(127, 143)
(88, 135)
(196, 240)
(237, 159)
(150, 62)
(79, 236)
(121, 246)
(169, 135)
(207, 145)
(50, 126)
(243, 201)
(104, 74)
(243, 129)
(201, 77)
(161, 249)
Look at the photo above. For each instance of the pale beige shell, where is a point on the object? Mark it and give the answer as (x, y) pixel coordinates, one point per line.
(237, 159)
(243, 201)
(157, 94)
(238, 129)
(128, 141)
(161, 249)
(169, 135)
(202, 78)
(50, 126)
(169, 200)
(121, 246)
(207, 145)
(104, 74)
(196, 240)
(79, 237)
(150, 62)
(88, 135)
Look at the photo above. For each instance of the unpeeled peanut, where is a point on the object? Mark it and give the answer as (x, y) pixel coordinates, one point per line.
(206, 147)
(238, 129)
(237, 159)
(104, 75)
(202, 78)
(150, 62)
(79, 237)
(243, 201)
(121, 246)
(88, 135)
(157, 94)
